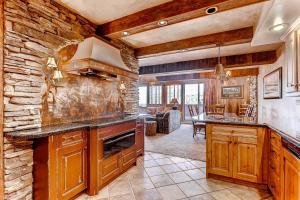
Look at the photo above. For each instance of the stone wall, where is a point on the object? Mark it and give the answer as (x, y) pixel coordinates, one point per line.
(35, 30)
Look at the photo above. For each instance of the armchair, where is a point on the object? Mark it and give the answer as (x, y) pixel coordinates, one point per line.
(168, 122)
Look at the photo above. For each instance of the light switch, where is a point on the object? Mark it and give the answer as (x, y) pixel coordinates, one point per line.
(298, 102)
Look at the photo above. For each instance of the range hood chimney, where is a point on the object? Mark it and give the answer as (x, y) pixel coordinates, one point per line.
(95, 57)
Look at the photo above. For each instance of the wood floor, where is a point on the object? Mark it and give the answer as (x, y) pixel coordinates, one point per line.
(178, 143)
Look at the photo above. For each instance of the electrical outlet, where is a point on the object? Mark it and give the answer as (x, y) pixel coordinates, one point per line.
(298, 102)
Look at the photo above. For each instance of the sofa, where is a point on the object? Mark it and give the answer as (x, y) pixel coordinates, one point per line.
(168, 122)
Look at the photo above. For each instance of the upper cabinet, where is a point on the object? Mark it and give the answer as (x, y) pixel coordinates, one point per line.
(292, 42)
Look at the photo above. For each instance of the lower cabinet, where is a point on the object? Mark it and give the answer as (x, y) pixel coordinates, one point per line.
(139, 137)
(291, 176)
(60, 166)
(237, 152)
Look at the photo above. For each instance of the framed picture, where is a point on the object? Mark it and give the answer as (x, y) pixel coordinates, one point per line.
(232, 92)
(272, 84)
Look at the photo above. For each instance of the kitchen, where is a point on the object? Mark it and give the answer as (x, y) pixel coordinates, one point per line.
(70, 111)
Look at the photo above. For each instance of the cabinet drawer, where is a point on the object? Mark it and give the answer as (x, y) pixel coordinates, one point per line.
(243, 131)
(275, 139)
(72, 138)
(110, 165)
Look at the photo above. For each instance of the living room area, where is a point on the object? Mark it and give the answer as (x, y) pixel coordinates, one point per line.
(172, 104)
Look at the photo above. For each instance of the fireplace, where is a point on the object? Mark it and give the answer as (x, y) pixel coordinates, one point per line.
(118, 143)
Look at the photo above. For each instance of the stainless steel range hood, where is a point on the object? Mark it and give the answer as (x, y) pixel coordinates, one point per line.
(95, 57)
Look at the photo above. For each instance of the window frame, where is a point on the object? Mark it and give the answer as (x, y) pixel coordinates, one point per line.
(166, 92)
(161, 97)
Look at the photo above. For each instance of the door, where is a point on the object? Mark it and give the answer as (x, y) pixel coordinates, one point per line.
(291, 176)
(219, 146)
(71, 164)
(246, 155)
(193, 95)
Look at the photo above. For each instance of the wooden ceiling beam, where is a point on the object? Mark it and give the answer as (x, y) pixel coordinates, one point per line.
(260, 58)
(208, 75)
(174, 12)
(232, 37)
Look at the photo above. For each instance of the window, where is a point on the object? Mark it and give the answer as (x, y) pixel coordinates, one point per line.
(155, 94)
(143, 96)
(173, 91)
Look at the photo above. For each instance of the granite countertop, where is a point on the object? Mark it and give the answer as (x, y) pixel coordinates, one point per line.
(49, 130)
(227, 118)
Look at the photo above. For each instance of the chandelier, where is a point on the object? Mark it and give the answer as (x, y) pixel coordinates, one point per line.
(219, 70)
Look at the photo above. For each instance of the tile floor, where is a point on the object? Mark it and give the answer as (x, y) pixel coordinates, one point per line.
(164, 177)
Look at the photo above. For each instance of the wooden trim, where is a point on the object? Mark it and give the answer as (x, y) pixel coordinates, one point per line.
(244, 60)
(1, 100)
(231, 37)
(173, 11)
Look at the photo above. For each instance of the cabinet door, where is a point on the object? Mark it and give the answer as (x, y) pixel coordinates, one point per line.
(219, 152)
(71, 164)
(291, 176)
(298, 58)
(246, 155)
(139, 138)
(291, 60)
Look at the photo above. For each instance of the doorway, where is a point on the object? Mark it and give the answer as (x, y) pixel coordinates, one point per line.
(193, 95)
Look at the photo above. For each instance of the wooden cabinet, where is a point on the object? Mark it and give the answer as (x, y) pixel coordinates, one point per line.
(236, 152)
(275, 165)
(220, 151)
(292, 44)
(60, 166)
(103, 170)
(291, 176)
(139, 137)
(71, 164)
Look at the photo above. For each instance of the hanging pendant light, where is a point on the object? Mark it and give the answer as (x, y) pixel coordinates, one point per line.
(219, 70)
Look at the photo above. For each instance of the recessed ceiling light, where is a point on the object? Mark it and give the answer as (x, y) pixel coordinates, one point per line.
(211, 10)
(125, 33)
(183, 50)
(278, 27)
(162, 22)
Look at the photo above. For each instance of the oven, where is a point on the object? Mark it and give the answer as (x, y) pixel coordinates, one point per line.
(118, 143)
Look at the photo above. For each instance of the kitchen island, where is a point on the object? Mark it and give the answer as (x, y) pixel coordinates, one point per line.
(242, 150)
(83, 156)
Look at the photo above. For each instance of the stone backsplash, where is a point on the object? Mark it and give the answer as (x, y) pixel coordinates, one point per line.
(35, 30)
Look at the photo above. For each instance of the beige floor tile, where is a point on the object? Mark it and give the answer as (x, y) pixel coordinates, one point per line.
(150, 163)
(158, 155)
(211, 185)
(198, 164)
(119, 188)
(170, 168)
(147, 157)
(186, 166)
(139, 184)
(152, 194)
(247, 193)
(191, 188)
(154, 171)
(202, 197)
(164, 161)
(195, 174)
(123, 197)
(224, 195)
(203, 169)
(179, 177)
(161, 180)
(178, 159)
(171, 192)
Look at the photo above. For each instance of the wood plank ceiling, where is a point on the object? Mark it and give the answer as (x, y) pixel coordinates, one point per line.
(185, 29)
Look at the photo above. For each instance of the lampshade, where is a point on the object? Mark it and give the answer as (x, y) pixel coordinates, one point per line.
(51, 62)
(174, 101)
(57, 75)
(219, 71)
